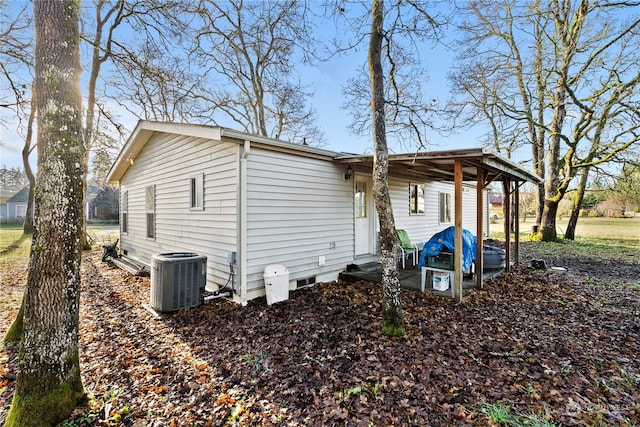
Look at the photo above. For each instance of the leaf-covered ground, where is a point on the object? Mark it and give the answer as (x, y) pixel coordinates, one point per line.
(563, 346)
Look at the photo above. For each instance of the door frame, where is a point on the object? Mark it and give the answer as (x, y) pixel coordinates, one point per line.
(371, 217)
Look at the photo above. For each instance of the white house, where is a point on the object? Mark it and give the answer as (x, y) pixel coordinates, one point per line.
(15, 208)
(246, 201)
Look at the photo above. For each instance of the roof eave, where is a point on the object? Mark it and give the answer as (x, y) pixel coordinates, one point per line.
(436, 160)
(141, 135)
(145, 129)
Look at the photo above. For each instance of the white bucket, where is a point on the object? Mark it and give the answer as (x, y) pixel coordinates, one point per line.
(440, 281)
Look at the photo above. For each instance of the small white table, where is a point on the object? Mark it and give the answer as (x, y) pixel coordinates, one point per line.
(438, 270)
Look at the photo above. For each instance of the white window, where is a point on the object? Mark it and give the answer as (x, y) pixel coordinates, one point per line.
(444, 207)
(196, 192)
(360, 199)
(124, 212)
(416, 199)
(150, 210)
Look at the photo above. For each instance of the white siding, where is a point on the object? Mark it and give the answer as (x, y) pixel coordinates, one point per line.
(421, 227)
(298, 209)
(168, 161)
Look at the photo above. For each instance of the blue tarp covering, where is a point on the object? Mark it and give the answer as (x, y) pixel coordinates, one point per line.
(445, 238)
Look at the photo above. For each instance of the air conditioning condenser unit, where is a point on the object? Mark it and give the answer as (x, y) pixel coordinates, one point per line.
(177, 280)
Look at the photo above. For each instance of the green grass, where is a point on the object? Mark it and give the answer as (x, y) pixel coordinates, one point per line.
(504, 416)
(603, 250)
(607, 239)
(9, 235)
(14, 245)
(620, 232)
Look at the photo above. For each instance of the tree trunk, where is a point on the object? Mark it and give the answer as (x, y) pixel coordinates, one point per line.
(16, 330)
(548, 227)
(89, 125)
(539, 201)
(538, 132)
(570, 233)
(48, 383)
(568, 31)
(552, 184)
(392, 318)
(96, 63)
(26, 151)
(14, 333)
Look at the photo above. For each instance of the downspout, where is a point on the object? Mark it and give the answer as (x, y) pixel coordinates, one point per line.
(242, 232)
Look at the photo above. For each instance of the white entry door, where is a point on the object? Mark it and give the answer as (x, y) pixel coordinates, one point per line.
(364, 218)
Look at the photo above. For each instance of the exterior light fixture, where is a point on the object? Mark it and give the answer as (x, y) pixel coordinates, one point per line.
(348, 173)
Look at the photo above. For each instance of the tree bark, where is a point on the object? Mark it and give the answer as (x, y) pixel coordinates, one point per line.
(537, 131)
(15, 331)
(392, 318)
(48, 383)
(552, 195)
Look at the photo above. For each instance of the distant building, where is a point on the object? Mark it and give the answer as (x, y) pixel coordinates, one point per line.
(495, 204)
(103, 203)
(15, 208)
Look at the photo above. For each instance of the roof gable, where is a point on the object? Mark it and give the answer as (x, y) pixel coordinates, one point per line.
(21, 196)
(146, 129)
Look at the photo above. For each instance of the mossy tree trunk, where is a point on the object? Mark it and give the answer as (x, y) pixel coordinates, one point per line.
(14, 333)
(392, 318)
(48, 385)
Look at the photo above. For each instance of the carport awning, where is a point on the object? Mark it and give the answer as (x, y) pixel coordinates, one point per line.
(440, 165)
(476, 165)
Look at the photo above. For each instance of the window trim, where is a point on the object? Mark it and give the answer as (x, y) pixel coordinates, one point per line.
(444, 207)
(196, 198)
(150, 210)
(124, 212)
(360, 208)
(414, 202)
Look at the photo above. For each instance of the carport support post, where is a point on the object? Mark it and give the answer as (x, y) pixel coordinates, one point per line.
(507, 224)
(457, 252)
(479, 226)
(516, 225)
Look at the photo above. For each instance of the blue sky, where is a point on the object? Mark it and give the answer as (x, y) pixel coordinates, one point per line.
(325, 81)
(328, 78)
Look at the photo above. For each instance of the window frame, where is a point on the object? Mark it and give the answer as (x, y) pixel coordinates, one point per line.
(444, 207)
(415, 208)
(124, 212)
(196, 192)
(360, 207)
(150, 210)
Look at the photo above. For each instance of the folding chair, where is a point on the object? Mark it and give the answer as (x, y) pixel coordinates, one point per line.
(407, 248)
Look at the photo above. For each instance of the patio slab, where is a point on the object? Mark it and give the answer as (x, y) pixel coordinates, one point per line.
(410, 278)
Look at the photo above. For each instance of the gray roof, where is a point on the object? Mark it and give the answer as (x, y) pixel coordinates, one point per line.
(21, 196)
(440, 165)
(432, 165)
